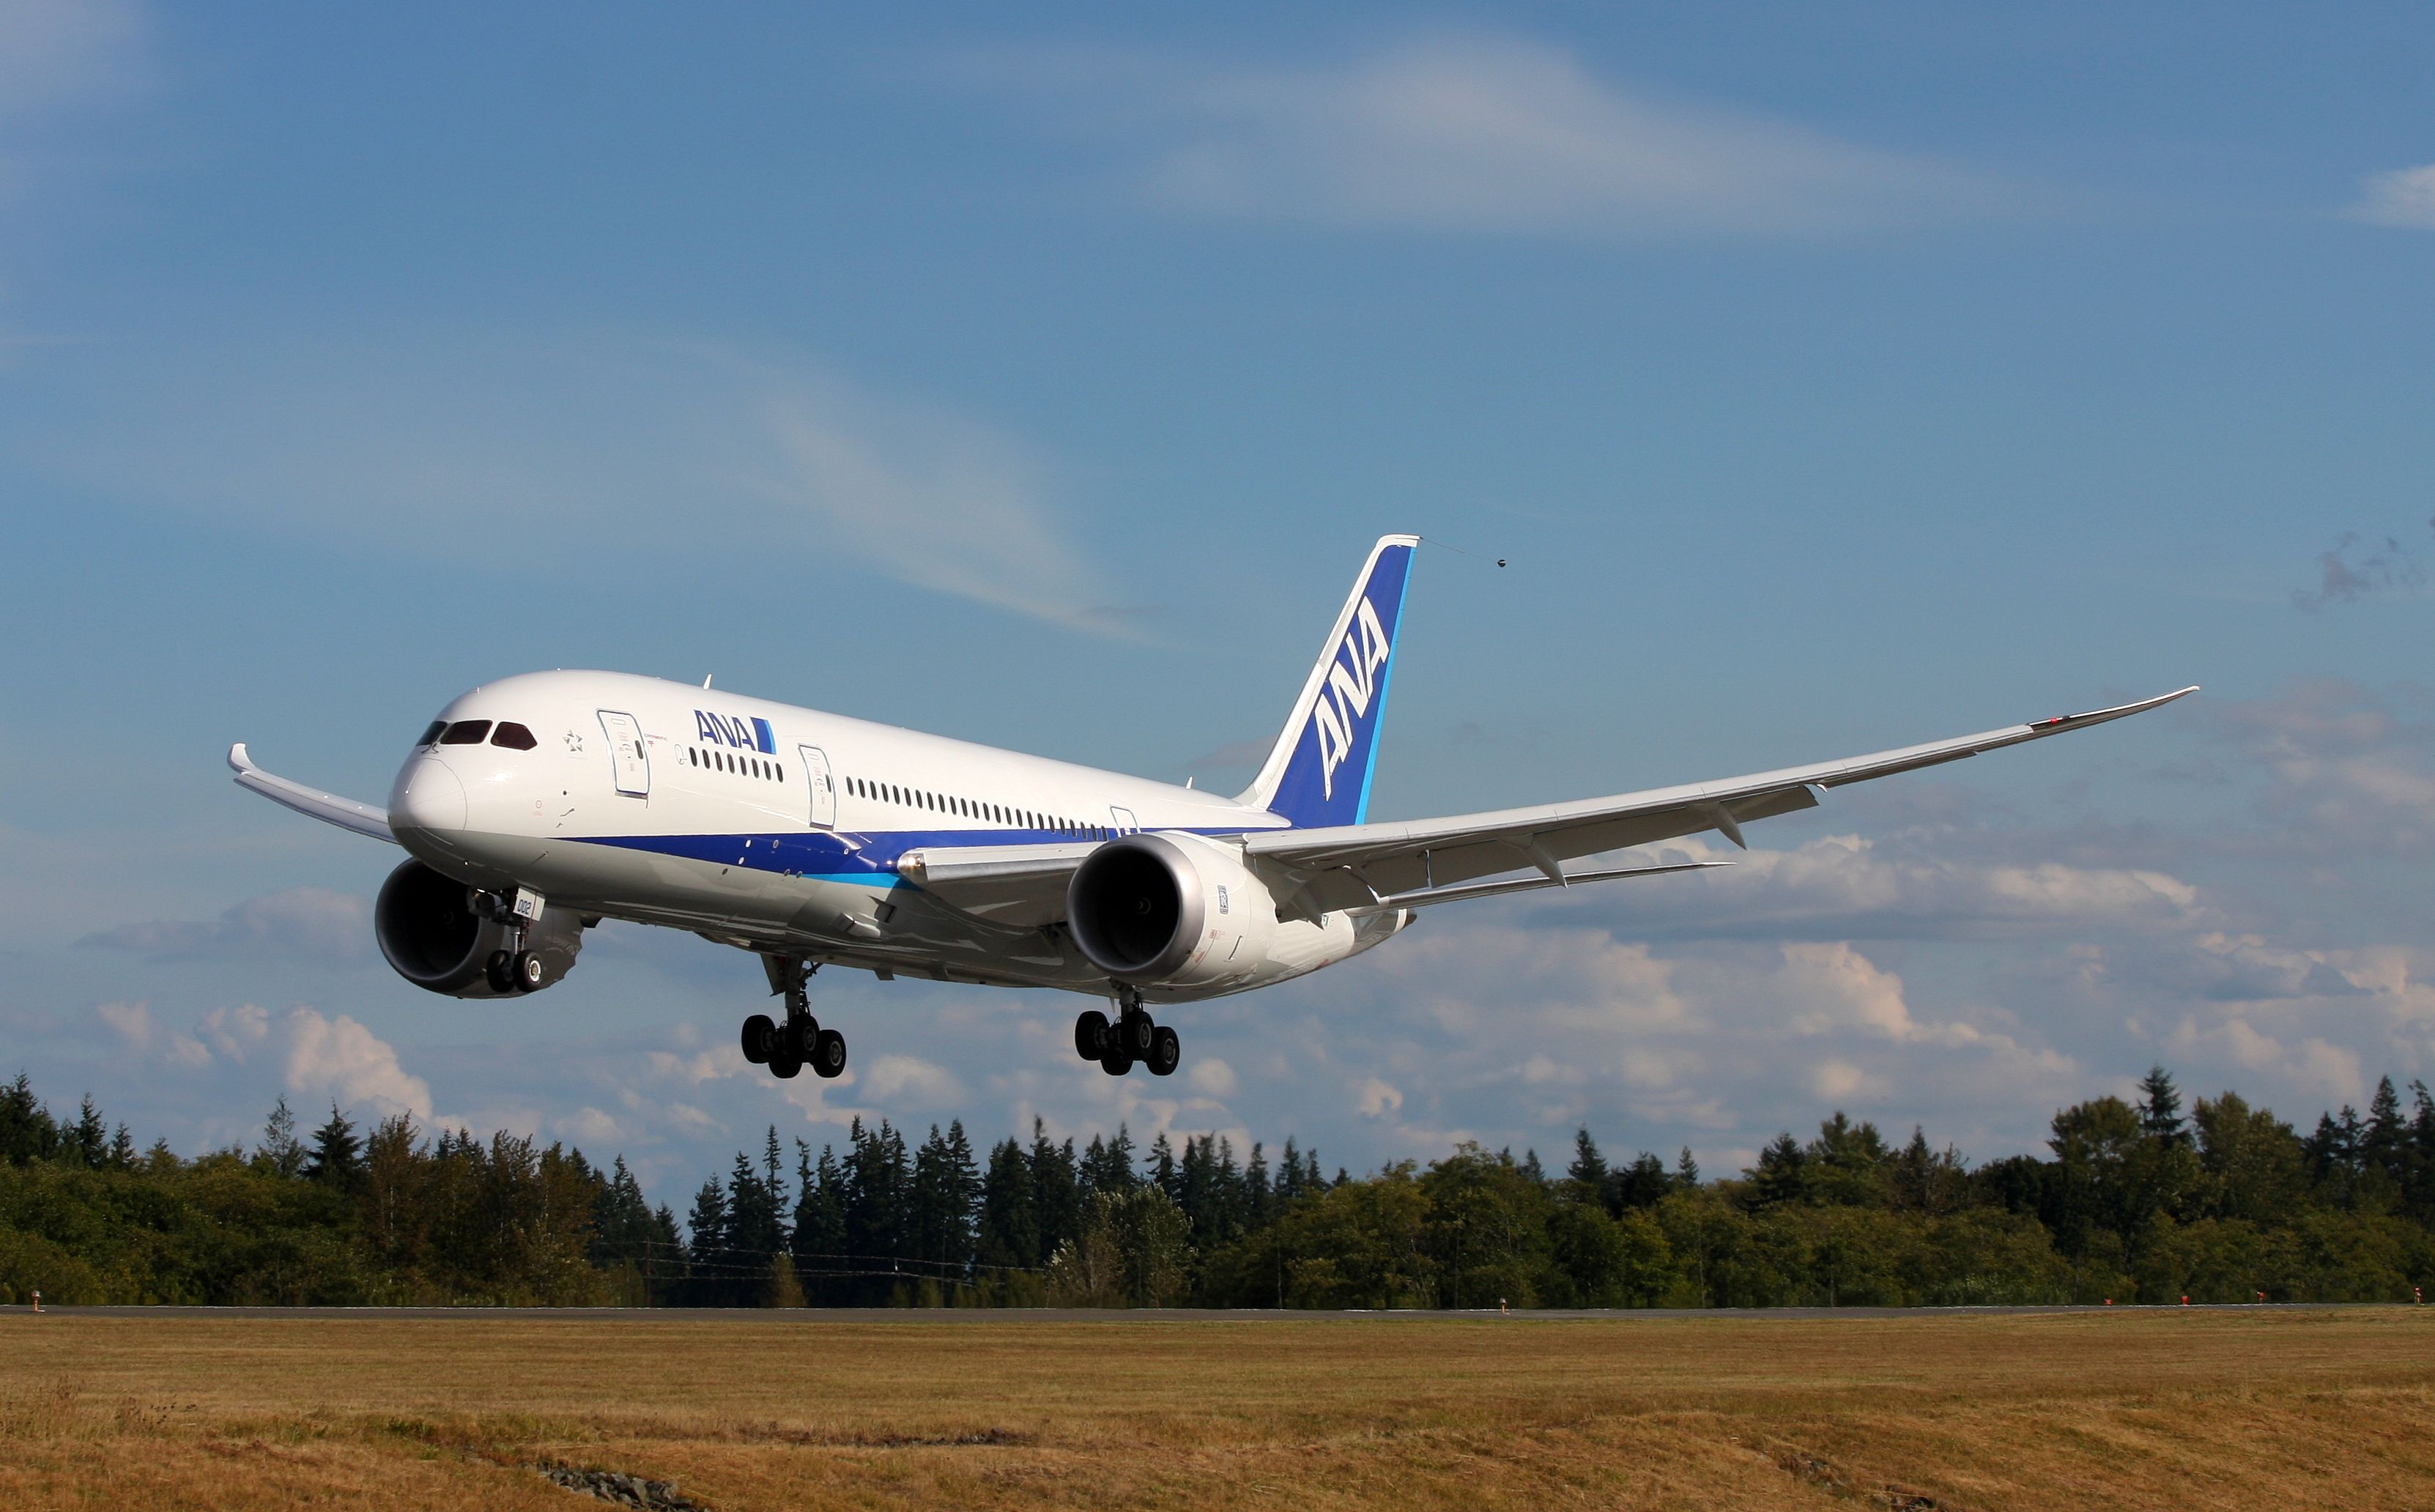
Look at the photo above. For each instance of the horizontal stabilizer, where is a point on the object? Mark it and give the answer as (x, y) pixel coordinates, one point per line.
(363, 818)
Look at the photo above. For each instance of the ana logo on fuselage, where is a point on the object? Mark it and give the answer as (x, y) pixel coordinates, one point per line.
(737, 730)
(1352, 682)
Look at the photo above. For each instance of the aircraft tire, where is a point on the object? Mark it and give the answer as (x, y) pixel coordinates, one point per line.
(1165, 1051)
(1138, 1032)
(495, 969)
(1115, 1063)
(786, 1068)
(1091, 1035)
(828, 1053)
(759, 1035)
(529, 970)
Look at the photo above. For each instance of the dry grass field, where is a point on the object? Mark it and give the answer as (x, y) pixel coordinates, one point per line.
(2171, 1409)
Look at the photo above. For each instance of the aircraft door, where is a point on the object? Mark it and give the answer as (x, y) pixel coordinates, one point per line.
(822, 783)
(629, 759)
(1126, 823)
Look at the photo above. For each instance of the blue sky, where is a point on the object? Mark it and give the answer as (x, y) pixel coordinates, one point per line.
(1829, 380)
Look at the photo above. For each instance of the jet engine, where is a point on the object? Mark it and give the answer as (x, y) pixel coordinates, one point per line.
(430, 930)
(1170, 910)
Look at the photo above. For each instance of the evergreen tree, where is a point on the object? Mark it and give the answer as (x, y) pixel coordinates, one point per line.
(2159, 1106)
(122, 1150)
(1259, 1200)
(90, 1139)
(1781, 1175)
(940, 1207)
(708, 1261)
(336, 1159)
(2384, 1146)
(1161, 1164)
(1056, 1191)
(1588, 1170)
(877, 1172)
(1687, 1171)
(1009, 1217)
(280, 1151)
(1108, 1165)
(819, 1240)
(27, 1131)
(1644, 1183)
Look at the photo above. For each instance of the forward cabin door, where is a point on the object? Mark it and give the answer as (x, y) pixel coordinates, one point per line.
(822, 783)
(629, 759)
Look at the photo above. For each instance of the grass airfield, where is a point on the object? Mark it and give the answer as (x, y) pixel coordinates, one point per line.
(2165, 1408)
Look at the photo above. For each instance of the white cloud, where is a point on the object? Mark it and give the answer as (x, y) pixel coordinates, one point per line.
(1840, 1081)
(1375, 1098)
(1211, 1077)
(1494, 136)
(910, 1080)
(133, 1021)
(301, 923)
(2404, 196)
(59, 52)
(342, 1059)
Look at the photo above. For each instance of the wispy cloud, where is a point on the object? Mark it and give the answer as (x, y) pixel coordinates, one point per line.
(2404, 196)
(650, 447)
(300, 923)
(1490, 134)
(2355, 570)
(56, 56)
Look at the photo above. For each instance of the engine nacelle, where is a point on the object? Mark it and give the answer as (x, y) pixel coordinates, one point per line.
(1169, 909)
(432, 936)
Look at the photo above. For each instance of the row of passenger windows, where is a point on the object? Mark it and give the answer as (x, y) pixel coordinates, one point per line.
(470, 732)
(727, 761)
(973, 809)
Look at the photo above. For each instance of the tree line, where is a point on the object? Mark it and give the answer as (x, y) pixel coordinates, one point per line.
(2134, 1201)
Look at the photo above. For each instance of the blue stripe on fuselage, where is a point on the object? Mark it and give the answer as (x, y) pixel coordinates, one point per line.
(863, 857)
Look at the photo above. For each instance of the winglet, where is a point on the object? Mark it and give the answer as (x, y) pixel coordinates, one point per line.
(2098, 716)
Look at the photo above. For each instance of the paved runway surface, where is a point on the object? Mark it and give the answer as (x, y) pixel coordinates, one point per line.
(816, 1315)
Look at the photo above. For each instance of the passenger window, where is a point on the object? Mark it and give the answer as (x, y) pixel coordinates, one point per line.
(513, 736)
(466, 732)
(433, 733)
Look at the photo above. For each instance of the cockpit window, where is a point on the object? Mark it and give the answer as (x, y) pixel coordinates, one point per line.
(466, 732)
(513, 736)
(433, 733)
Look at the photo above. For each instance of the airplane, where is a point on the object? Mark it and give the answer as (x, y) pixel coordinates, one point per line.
(536, 806)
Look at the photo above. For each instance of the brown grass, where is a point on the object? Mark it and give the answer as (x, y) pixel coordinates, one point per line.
(2089, 1410)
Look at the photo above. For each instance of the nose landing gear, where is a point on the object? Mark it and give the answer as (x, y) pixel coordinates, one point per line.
(1134, 1035)
(788, 1048)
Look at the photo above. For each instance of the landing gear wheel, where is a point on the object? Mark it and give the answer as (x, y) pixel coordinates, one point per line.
(828, 1053)
(1115, 1063)
(529, 970)
(1136, 1032)
(495, 969)
(1165, 1049)
(786, 1068)
(759, 1035)
(799, 1035)
(1091, 1035)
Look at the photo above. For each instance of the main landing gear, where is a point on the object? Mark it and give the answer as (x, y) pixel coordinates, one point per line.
(517, 968)
(1134, 1036)
(788, 1048)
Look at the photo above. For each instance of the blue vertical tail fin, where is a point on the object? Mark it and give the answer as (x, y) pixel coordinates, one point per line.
(1318, 774)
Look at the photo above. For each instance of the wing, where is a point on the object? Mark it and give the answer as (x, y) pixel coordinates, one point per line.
(1022, 885)
(363, 818)
(1358, 865)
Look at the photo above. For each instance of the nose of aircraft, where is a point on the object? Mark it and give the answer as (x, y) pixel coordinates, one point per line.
(429, 797)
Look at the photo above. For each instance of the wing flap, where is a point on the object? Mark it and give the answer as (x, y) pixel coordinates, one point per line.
(347, 813)
(1022, 885)
(1356, 866)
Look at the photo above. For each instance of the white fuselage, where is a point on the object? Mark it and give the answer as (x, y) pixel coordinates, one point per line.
(779, 829)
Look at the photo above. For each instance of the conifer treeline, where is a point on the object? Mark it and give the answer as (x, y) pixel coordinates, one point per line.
(2136, 1201)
